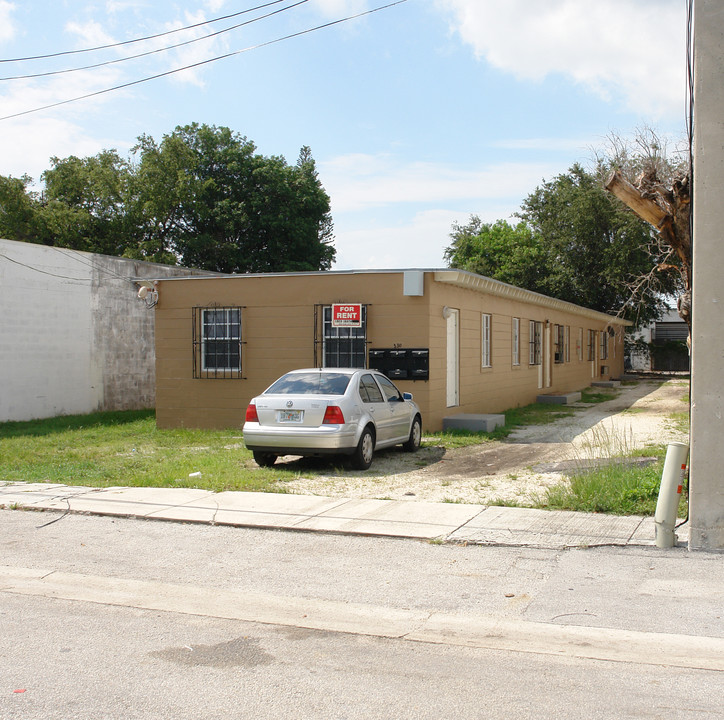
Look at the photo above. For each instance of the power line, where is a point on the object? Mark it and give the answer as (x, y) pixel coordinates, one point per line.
(142, 39)
(202, 62)
(44, 272)
(157, 50)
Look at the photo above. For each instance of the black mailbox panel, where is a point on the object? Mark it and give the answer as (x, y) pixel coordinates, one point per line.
(398, 364)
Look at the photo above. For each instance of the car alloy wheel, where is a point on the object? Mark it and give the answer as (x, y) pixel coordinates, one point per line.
(365, 450)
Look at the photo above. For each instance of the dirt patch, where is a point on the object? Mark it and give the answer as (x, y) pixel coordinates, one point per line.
(518, 469)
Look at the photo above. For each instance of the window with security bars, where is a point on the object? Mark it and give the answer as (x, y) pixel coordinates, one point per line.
(559, 343)
(591, 344)
(535, 343)
(217, 342)
(344, 346)
(604, 345)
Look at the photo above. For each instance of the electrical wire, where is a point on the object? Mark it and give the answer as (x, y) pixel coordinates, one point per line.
(201, 63)
(44, 272)
(76, 255)
(153, 52)
(142, 39)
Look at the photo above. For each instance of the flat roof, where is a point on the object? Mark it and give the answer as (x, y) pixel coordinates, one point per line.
(459, 278)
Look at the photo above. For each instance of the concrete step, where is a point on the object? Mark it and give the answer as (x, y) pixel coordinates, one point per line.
(559, 398)
(473, 422)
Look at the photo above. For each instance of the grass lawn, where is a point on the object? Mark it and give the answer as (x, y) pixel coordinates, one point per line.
(126, 448)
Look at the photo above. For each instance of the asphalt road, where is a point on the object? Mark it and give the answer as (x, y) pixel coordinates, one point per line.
(113, 618)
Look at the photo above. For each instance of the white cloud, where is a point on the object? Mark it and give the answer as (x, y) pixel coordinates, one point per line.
(629, 49)
(359, 182)
(7, 27)
(26, 145)
(117, 6)
(419, 242)
(194, 52)
(90, 33)
(335, 9)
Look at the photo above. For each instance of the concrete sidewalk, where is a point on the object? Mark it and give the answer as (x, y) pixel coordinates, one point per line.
(447, 522)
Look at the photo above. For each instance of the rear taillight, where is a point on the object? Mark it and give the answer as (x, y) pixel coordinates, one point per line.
(333, 416)
(251, 415)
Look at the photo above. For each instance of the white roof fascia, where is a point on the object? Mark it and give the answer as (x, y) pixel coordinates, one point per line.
(480, 283)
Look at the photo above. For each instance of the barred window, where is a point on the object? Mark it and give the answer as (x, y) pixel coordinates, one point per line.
(604, 345)
(217, 342)
(535, 341)
(345, 347)
(591, 344)
(559, 340)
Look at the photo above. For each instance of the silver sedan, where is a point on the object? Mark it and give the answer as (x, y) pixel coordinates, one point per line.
(331, 411)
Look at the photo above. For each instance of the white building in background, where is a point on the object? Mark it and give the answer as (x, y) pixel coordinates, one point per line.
(660, 334)
(74, 336)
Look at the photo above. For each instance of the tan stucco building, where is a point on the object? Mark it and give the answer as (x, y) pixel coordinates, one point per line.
(460, 342)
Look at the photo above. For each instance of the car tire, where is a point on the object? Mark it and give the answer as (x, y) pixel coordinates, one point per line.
(363, 453)
(264, 459)
(413, 442)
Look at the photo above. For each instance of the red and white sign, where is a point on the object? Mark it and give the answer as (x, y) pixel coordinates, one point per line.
(347, 315)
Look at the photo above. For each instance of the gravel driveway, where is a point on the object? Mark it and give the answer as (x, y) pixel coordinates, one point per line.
(519, 468)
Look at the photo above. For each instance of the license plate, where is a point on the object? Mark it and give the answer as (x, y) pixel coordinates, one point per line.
(290, 416)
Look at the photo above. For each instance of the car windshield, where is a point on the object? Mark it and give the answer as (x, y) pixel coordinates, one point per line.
(313, 383)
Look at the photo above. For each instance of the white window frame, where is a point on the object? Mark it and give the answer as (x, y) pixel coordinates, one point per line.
(516, 341)
(226, 332)
(485, 344)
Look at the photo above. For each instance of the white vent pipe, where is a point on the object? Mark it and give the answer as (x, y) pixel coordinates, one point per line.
(672, 481)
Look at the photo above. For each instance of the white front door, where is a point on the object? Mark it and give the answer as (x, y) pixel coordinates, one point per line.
(453, 357)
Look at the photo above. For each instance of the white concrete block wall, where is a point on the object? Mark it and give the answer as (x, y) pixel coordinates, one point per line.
(46, 366)
(74, 338)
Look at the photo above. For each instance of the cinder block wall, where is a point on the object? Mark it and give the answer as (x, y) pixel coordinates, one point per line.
(74, 338)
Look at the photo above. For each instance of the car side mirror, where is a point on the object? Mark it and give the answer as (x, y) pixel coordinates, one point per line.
(407, 396)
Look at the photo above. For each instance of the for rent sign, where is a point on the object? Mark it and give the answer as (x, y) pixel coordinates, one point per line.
(347, 315)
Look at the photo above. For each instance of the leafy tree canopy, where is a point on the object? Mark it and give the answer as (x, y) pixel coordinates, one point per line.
(202, 197)
(574, 242)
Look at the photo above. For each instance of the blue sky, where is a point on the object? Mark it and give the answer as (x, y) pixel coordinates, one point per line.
(417, 115)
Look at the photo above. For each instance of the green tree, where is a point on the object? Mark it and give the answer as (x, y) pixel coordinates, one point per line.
(202, 196)
(597, 248)
(575, 243)
(512, 254)
(19, 219)
(206, 195)
(85, 203)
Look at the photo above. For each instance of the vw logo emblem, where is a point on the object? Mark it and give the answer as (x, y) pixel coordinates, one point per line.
(289, 403)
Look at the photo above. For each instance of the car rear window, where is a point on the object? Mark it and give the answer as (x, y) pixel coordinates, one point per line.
(310, 384)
